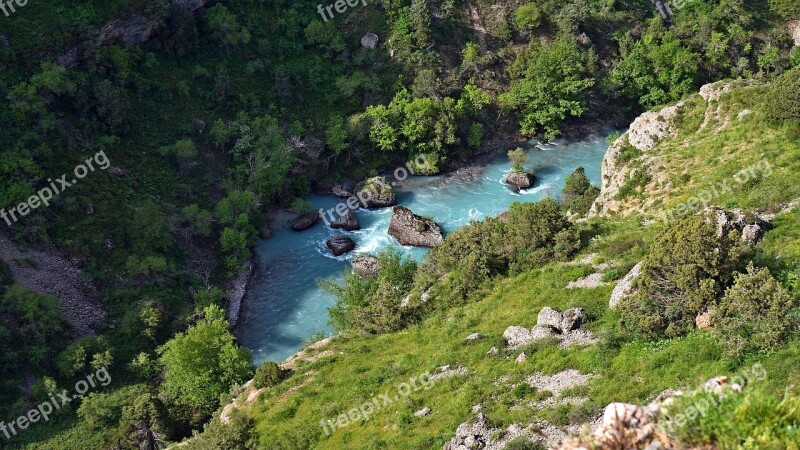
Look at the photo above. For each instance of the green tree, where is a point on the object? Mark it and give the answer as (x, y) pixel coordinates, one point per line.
(204, 362)
(420, 20)
(225, 28)
(578, 193)
(518, 157)
(548, 86)
(528, 16)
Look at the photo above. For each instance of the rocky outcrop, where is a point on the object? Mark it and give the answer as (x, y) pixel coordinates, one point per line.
(366, 266)
(134, 31)
(794, 30)
(644, 133)
(305, 221)
(344, 189)
(266, 230)
(522, 180)
(473, 434)
(339, 245)
(46, 271)
(238, 291)
(376, 193)
(551, 323)
(624, 288)
(639, 426)
(346, 221)
(370, 41)
(751, 229)
(411, 229)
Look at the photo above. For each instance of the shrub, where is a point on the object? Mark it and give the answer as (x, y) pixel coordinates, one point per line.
(373, 305)
(756, 313)
(528, 16)
(518, 158)
(782, 102)
(267, 375)
(681, 276)
(578, 193)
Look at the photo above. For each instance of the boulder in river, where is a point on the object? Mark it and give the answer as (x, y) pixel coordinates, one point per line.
(522, 180)
(346, 221)
(305, 221)
(411, 229)
(376, 193)
(366, 266)
(340, 245)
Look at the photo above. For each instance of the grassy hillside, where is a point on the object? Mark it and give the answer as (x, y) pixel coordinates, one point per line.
(214, 113)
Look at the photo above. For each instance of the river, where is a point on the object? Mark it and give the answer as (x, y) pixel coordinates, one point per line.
(284, 305)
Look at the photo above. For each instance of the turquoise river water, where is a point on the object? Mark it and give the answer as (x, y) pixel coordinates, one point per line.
(284, 306)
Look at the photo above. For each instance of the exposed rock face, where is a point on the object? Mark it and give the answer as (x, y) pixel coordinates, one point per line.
(549, 317)
(305, 221)
(266, 230)
(52, 274)
(703, 320)
(340, 245)
(625, 286)
(751, 230)
(522, 180)
(516, 336)
(411, 229)
(366, 266)
(551, 324)
(794, 30)
(346, 221)
(238, 290)
(573, 318)
(643, 134)
(473, 434)
(134, 31)
(474, 337)
(370, 41)
(340, 191)
(376, 193)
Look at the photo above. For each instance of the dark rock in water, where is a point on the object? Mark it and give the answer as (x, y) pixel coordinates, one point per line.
(346, 221)
(340, 192)
(411, 229)
(366, 266)
(266, 230)
(305, 221)
(522, 180)
(340, 245)
(376, 193)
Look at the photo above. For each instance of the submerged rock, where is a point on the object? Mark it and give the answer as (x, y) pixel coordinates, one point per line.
(305, 221)
(522, 180)
(411, 229)
(340, 245)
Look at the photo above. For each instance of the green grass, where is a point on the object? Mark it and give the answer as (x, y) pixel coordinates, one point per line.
(365, 366)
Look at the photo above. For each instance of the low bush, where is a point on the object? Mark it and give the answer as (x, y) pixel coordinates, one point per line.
(267, 375)
(756, 313)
